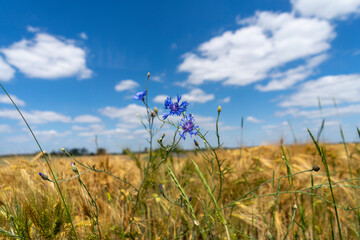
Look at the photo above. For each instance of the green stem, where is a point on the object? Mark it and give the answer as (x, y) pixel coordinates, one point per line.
(323, 158)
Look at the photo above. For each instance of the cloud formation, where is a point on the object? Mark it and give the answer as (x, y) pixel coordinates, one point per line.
(264, 44)
(326, 112)
(253, 119)
(195, 95)
(36, 117)
(127, 84)
(48, 57)
(87, 119)
(127, 115)
(327, 9)
(4, 99)
(342, 88)
(6, 72)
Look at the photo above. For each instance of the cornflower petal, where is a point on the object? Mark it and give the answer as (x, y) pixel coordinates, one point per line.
(165, 115)
(140, 96)
(175, 107)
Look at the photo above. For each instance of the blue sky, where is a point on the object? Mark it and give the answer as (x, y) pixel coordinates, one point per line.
(73, 67)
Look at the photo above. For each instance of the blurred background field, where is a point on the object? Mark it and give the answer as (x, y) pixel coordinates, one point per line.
(32, 205)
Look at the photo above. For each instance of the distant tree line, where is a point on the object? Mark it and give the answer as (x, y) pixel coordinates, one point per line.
(80, 152)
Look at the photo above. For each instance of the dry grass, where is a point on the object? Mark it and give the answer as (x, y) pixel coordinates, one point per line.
(32, 206)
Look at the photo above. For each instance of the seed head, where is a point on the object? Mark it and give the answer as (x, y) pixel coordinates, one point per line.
(153, 114)
(316, 168)
(219, 109)
(295, 207)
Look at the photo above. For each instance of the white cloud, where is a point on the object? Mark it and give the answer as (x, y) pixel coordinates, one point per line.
(284, 80)
(127, 115)
(97, 129)
(225, 100)
(39, 117)
(250, 54)
(79, 128)
(197, 95)
(158, 78)
(92, 127)
(35, 117)
(253, 119)
(205, 123)
(87, 119)
(105, 132)
(48, 57)
(127, 84)
(32, 29)
(4, 99)
(5, 128)
(327, 9)
(6, 72)
(326, 112)
(275, 131)
(209, 124)
(160, 98)
(51, 133)
(83, 36)
(344, 88)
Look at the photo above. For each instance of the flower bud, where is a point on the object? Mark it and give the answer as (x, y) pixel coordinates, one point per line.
(74, 168)
(295, 207)
(163, 135)
(190, 198)
(43, 176)
(63, 149)
(196, 144)
(316, 168)
(156, 110)
(148, 74)
(268, 235)
(153, 114)
(219, 109)
(162, 191)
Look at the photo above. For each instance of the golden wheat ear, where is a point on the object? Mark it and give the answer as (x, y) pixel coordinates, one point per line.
(38, 156)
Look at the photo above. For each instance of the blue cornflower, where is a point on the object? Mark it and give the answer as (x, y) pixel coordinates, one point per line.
(140, 96)
(174, 107)
(187, 125)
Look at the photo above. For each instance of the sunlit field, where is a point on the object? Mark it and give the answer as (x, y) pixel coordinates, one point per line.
(263, 195)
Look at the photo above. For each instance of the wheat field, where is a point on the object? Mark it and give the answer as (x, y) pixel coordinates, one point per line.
(285, 208)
